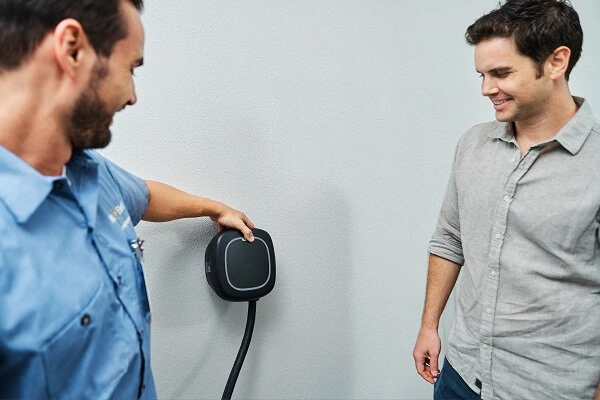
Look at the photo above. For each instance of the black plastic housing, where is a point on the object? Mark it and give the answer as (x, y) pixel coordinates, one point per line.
(238, 270)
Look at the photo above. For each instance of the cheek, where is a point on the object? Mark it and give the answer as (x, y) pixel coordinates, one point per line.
(534, 90)
(519, 89)
(116, 94)
(126, 88)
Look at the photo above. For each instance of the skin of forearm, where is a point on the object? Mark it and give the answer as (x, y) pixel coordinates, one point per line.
(441, 278)
(167, 203)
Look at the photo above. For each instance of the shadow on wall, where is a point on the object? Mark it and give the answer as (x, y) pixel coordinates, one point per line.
(302, 346)
(309, 353)
(185, 316)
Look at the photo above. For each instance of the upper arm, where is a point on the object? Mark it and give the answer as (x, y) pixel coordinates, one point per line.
(133, 189)
(446, 239)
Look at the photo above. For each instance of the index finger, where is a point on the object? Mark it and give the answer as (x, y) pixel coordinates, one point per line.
(247, 221)
(243, 227)
(422, 368)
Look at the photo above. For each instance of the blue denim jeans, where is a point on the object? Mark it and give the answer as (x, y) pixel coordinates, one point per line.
(450, 386)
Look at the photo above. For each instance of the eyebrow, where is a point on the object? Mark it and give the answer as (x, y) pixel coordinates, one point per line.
(496, 70)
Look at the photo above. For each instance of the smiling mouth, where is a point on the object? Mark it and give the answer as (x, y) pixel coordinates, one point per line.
(500, 102)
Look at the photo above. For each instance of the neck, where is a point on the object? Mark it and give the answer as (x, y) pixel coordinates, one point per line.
(31, 128)
(558, 110)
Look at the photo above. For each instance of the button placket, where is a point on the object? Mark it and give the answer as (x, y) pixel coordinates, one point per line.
(490, 294)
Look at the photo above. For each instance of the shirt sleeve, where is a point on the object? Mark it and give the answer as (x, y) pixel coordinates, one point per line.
(446, 241)
(134, 190)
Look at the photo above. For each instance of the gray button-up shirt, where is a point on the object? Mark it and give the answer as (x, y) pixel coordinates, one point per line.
(526, 232)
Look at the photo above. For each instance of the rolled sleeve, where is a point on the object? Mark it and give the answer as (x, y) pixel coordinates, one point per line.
(445, 241)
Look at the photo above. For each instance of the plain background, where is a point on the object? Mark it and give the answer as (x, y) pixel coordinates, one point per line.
(332, 125)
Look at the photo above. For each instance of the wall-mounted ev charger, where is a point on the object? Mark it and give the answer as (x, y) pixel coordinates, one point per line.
(239, 270)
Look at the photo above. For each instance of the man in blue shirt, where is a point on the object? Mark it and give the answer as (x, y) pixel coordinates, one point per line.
(74, 315)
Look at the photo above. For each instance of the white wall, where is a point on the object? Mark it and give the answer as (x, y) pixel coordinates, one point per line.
(332, 124)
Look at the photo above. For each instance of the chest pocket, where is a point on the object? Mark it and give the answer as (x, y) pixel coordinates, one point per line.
(138, 265)
(79, 361)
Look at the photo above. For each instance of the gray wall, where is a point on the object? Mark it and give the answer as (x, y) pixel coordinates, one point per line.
(332, 124)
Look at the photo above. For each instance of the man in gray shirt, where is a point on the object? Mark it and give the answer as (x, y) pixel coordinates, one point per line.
(521, 220)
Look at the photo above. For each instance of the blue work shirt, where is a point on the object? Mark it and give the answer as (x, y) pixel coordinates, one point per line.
(74, 313)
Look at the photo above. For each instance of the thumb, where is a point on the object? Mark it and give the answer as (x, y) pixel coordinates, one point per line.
(433, 365)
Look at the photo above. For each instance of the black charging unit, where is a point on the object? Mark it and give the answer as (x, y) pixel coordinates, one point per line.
(239, 270)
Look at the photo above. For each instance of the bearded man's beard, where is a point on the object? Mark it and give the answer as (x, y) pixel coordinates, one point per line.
(88, 126)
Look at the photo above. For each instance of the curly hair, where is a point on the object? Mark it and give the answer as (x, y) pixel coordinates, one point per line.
(538, 27)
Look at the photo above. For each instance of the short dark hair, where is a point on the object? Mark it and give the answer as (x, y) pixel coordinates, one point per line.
(25, 23)
(538, 27)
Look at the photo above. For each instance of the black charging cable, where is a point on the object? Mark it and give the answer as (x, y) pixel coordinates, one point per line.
(239, 360)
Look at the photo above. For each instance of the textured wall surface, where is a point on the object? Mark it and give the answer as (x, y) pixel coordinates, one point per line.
(332, 124)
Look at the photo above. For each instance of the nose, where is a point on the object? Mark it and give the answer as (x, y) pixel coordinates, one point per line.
(488, 86)
(132, 97)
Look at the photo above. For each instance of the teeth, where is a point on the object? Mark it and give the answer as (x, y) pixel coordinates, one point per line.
(498, 102)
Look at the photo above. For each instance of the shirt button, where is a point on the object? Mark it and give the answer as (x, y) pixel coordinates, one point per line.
(493, 273)
(506, 197)
(85, 320)
(485, 346)
(497, 236)
(512, 160)
(488, 310)
(120, 280)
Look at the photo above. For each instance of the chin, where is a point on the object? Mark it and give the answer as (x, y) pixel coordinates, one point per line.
(92, 139)
(102, 139)
(504, 118)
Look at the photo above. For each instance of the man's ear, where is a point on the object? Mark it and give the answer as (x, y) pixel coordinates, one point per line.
(71, 46)
(558, 62)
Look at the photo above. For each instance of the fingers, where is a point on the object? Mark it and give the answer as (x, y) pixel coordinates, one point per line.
(232, 218)
(426, 353)
(423, 368)
(433, 366)
(420, 365)
(247, 221)
(243, 224)
(247, 233)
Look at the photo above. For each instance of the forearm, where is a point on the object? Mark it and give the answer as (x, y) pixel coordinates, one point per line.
(167, 203)
(441, 277)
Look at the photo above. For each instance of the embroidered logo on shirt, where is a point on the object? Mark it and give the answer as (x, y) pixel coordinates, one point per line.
(116, 214)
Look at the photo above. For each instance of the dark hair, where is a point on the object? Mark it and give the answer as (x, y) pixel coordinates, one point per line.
(538, 27)
(25, 23)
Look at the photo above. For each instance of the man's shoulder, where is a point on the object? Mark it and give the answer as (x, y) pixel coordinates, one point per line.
(484, 129)
(104, 166)
(482, 133)
(87, 156)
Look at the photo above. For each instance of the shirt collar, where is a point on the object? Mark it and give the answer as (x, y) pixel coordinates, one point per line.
(571, 136)
(576, 131)
(23, 188)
